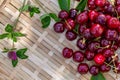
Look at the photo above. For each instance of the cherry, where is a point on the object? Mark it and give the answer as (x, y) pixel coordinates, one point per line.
(87, 34)
(94, 70)
(82, 17)
(93, 46)
(12, 55)
(99, 50)
(107, 17)
(118, 29)
(59, 27)
(63, 14)
(78, 56)
(114, 47)
(73, 13)
(81, 44)
(111, 34)
(104, 42)
(117, 2)
(81, 28)
(113, 23)
(67, 52)
(92, 15)
(97, 30)
(89, 55)
(83, 68)
(99, 59)
(91, 4)
(101, 19)
(118, 10)
(70, 35)
(118, 67)
(69, 24)
(104, 68)
(108, 52)
(100, 3)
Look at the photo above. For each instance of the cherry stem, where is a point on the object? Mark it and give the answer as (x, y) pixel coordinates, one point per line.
(109, 65)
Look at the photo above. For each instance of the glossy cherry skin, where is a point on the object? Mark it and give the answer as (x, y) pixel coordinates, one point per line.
(104, 68)
(70, 35)
(59, 27)
(81, 28)
(93, 46)
(101, 19)
(67, 52)
(100, 3)
(94, 70)
(99, 59)
(104, 42)
(113, 23)
(111, 34)
(117, 2)
(89, 55)
(63, 14)
(82, 17)
(78, 56)
(96, 30)
(87, 34)
(73, 13)
(83, 68)
(81, 44)
(92, 15)
(91, 4)
(108, 52)
(118, 67)
(70, 24)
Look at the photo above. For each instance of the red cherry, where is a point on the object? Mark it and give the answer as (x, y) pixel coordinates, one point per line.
(93, 15)
(67, 52)
(100, 3)
(69, 24)
(99, 59)
(78, 56)
(83, 68)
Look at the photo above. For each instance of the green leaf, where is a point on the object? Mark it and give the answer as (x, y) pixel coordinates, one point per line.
(33, 10)
(18, 34)
(98, 77)
(24, 8)
(14, 39)
(21, 53)
(31, 14)
(81, 6)
(45, 20)
(36, 10)
(54, 16)
(14, 63)
(5, 35)
(5, 50)
(64, 4)
(9, 28)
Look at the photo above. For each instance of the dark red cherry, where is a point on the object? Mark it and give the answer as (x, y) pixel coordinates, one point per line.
(91, 4)
(92, 15)
(96, 30)
(94, 70)
(63, 14)
(104, 42)
(117, 2)
(83, 68)
(70, 35)
(67, 52)
(99, 59)
(87, 34)
(100, 3)
(81, 43)
(81, 28)
(73, 13)
(89, 55)
(93, 46)
(82, 17)
(101, 19)
(118, 67)
(59, 27)
(78, 56)
(69, 24)
(99, 50)
(118, 10)
(108, 52)
(104, 68)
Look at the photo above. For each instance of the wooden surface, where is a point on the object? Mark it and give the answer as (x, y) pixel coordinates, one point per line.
(45, 61)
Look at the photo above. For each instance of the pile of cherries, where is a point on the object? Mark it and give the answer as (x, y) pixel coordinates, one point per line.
(98, 30)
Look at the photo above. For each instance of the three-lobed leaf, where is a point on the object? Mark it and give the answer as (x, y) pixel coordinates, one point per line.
(9, 28)
(21, 53)
(81, 6)
(64, 4)
(14, 63)
(98, 77)
(45, 20)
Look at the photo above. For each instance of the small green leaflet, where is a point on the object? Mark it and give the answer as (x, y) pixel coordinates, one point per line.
(81, 6)
(4, 35)
(98, 77)
(9, 28)
(21, 53)
(24, 8)
(33, 10)
(54, 16)
(64, 4)
(45, 20)
(14, 63)
(18, 34)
